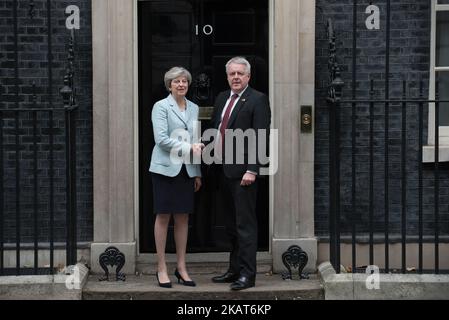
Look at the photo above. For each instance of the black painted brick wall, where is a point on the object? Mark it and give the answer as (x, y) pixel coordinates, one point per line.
(409, 60)
(33, 68)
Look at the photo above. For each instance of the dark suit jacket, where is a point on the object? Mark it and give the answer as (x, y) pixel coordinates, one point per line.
(251, 112)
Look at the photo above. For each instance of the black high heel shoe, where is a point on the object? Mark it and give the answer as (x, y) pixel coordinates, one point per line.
(189, 283)
(164, 284)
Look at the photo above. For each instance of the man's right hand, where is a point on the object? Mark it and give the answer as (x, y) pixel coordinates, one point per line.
(197, 148)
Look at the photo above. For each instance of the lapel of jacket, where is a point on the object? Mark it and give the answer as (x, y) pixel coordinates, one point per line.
(239, 106)
(189, 111)
(174, 107)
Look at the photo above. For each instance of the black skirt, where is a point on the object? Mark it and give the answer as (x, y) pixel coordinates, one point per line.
(173, 194)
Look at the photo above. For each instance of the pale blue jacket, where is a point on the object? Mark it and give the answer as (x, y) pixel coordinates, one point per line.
(173, 135)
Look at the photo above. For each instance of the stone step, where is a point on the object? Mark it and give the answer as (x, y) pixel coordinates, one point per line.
(200, 263)
(144, 287)
(212, 268)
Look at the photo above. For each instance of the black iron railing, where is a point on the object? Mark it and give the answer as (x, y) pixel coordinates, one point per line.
(46, 132)
(38, 212)
(390, 186)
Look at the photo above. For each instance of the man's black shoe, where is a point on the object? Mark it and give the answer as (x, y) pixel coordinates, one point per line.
(228, 277)
(243, 283)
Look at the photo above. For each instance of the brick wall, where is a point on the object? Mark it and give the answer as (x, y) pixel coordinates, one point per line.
(409, 60)
(32, 54)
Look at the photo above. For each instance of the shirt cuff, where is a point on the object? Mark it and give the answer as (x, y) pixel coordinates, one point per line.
(249, 171)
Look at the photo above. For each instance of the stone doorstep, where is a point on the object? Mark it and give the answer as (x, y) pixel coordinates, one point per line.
(145, 287)
(201, 268)
(202, 264)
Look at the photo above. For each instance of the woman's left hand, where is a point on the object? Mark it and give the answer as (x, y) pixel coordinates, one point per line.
(197, 183)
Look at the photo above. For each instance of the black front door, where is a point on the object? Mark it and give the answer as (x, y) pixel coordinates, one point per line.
(200, 35)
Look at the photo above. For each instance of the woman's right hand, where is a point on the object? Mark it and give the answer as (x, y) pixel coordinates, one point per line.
(197, 183)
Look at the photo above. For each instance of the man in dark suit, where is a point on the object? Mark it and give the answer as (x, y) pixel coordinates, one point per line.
(246, 112)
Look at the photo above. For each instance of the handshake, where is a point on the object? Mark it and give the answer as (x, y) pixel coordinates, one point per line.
(197, 148)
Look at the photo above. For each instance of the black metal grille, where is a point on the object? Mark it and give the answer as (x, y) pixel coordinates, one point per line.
(382, 185)
(37, 164)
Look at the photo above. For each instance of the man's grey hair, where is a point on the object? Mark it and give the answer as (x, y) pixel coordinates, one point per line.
(175, 72)
(239, 60)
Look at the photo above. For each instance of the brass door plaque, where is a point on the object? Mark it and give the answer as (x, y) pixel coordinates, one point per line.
(205, 113)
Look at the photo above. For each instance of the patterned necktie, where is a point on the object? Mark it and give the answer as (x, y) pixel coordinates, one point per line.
(224, 122)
